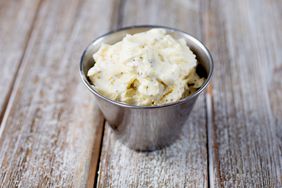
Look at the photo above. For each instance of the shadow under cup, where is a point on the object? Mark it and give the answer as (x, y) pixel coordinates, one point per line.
(147, 128)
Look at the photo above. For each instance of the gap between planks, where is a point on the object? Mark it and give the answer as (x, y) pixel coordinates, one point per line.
(211, 146)
(95, 159)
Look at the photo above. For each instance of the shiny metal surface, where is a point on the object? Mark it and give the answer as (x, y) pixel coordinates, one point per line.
(146, 128)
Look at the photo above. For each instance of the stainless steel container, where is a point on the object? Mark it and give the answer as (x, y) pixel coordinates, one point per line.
(146, 128)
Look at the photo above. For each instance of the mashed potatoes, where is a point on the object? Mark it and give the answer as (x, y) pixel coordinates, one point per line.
(145, 69)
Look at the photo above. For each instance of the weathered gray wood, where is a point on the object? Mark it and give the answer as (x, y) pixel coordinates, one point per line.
(51, 131)
(184, 164)
(16, 19)
(244, 104)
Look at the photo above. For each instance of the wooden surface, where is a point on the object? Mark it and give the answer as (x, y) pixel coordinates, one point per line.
(14, 17)
(52, 136)
(246, 127)
(50, 128)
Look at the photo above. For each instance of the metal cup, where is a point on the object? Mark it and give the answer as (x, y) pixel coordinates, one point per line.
(146, 128)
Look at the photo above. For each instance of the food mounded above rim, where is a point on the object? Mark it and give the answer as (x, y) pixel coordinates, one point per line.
(145, 69)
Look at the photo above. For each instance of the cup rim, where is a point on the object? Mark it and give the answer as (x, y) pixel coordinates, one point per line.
(124, 105)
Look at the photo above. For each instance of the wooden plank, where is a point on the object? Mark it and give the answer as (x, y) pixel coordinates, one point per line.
(16, 19)
(184, 164)
(245, 102)
(51, 133)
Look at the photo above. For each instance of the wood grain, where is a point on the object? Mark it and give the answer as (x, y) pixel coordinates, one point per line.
(244, 104)
(184, 164)
(15, 16)
(51, 132)
(52, 127)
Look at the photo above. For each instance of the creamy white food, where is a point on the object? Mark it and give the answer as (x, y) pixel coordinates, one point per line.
(145, 69)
